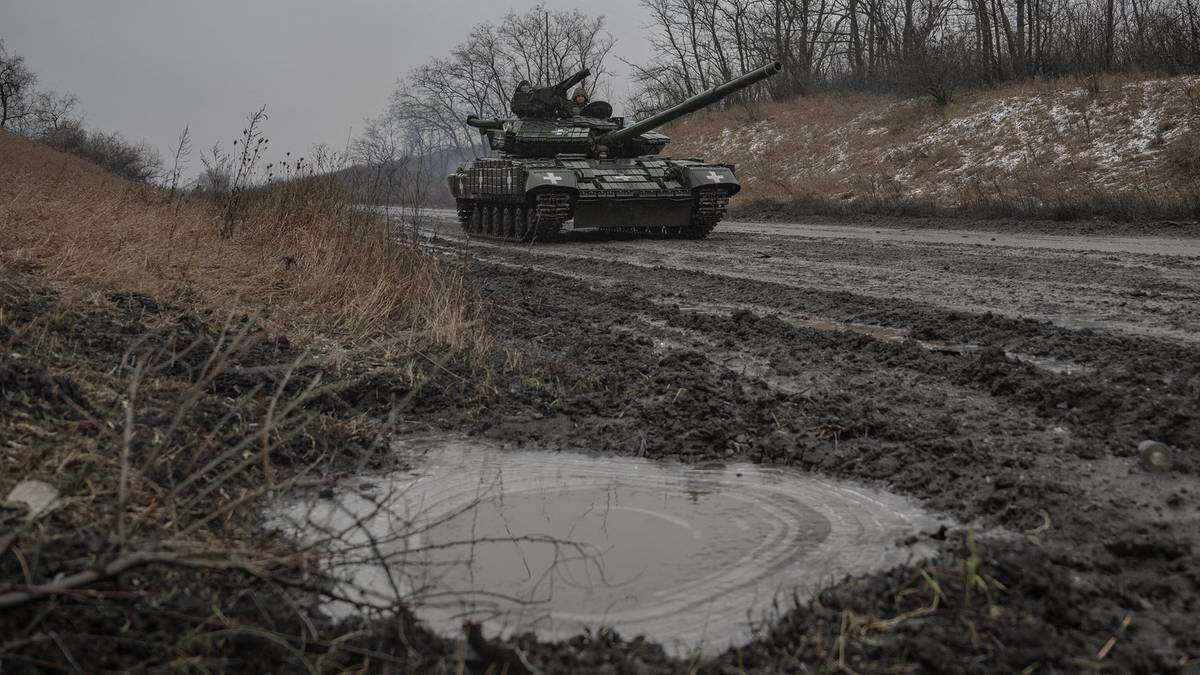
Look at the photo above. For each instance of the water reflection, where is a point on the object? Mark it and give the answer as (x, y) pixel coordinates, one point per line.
(557, 543)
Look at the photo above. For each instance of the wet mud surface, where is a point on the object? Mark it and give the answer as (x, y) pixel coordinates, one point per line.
(1144, 286)
(1007, 386)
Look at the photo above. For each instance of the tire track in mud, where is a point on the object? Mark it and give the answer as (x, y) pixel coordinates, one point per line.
(1138, 293)
(852, 386)
(1042, 339)
(662, 361)
(1145, 373)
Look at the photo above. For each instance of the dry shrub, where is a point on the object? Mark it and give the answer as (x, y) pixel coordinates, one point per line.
(302, 253)
(137, 162)
(1183, 154)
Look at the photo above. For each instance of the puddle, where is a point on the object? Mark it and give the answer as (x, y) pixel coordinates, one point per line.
(559, 543)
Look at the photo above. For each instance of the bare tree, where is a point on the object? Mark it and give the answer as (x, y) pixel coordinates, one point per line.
(478, 76)
(383, 150)
(47, 113)
(16, 86)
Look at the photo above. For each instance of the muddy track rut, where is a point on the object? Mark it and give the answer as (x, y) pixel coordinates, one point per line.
(1007, 384)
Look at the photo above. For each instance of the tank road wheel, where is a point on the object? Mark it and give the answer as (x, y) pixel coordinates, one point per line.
(477, 219)
(707, 211)
(509, 226)
(465, 209)
(520, 223)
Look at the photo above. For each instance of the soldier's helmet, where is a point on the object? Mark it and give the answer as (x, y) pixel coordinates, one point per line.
(579, 91)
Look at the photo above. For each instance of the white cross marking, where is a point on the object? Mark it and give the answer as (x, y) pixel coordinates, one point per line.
(625, 178)
(714, 176)
(552, 178)
(559, 132)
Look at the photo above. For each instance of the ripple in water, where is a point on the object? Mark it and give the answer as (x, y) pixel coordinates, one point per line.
(557, 543)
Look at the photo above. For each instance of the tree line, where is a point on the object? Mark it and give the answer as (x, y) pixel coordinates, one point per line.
(912, 46)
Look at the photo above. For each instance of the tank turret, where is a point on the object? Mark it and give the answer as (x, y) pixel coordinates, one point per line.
(547, 102)
(556, 162)
(546, 124)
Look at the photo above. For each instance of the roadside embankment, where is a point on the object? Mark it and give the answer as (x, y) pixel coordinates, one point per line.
(1115, 148)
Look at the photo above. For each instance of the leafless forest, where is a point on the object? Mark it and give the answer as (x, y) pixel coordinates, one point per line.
(914, 46)
(920, 48)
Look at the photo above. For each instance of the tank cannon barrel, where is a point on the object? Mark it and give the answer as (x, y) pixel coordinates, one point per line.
(693, 104)
(484, 124)
(572, 80)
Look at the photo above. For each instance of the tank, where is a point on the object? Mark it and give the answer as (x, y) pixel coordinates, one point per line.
(555, 162)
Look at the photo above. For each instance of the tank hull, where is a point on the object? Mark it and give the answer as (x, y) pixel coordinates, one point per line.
(529, 199)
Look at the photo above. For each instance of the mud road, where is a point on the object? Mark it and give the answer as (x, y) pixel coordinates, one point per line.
(1005, 378)
(1139, 285)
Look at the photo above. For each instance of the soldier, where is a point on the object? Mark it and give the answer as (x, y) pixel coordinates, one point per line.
(579, 100)
(521, 99)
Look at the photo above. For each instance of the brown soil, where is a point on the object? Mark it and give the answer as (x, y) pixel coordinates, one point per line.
(769, 347)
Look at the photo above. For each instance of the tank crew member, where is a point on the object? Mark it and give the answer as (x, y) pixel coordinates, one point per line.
(522, 98)
(579, 99)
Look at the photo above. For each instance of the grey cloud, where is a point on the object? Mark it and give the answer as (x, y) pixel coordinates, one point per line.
(148, 67)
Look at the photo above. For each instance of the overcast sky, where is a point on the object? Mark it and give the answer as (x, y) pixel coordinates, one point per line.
(146, 68)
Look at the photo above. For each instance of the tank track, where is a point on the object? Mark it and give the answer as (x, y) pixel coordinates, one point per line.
(543, 220)
(707, 210)
(506, 221)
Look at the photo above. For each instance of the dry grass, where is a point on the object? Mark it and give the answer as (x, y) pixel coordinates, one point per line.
(303, 257)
